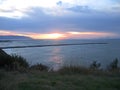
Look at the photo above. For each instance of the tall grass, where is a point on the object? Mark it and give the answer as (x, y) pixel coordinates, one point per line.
(16, 62)
(39, 67)
(95, 68)
(19, 60)
(73, 70)
(12, 62)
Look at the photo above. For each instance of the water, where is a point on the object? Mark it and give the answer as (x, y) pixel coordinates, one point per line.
(58, 56)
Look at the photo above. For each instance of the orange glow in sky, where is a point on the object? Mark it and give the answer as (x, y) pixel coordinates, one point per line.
(65, 35)
(49, 36)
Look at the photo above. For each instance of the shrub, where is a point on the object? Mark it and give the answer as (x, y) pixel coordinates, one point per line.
(113, 65)
(95, 65)
(12, 62)
(20, 60)
(39, 67)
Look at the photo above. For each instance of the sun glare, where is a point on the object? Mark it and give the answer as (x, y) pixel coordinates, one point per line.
(56, 36)
(49, 36)
(74, 32)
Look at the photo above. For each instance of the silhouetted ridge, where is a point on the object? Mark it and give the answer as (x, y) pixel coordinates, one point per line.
(11, 37)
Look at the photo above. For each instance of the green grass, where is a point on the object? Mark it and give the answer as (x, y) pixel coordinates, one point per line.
(36, 80)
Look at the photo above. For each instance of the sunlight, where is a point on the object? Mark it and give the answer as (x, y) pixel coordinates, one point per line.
(90, 35)
(63, 35)
(55, 35)
(49, 36)
(74, 32)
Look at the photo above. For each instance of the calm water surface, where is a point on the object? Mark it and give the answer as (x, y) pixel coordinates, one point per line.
(57, 56)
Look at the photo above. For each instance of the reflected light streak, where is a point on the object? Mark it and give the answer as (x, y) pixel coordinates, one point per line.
(56, 58)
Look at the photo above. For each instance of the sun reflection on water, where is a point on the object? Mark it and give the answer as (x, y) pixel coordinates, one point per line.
(56, 58)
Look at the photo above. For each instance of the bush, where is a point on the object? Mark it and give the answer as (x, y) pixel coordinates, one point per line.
(39, 67)
(95, 65)
(20, 60)
(12, 62)
(113, 65)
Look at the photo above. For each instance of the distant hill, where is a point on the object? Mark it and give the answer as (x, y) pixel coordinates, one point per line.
(10, 37)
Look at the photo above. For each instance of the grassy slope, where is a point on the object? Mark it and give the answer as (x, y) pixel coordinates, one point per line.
(53, 81)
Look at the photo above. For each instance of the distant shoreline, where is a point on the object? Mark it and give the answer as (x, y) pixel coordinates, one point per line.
(50, 45)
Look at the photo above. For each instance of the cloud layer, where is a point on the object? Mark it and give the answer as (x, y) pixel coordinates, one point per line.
(47, 16)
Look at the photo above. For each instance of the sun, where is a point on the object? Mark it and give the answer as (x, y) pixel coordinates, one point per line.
(49, 36)
(55, 36)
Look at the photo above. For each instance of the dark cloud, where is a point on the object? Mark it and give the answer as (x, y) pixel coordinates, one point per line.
(95, 23)
(38, 21)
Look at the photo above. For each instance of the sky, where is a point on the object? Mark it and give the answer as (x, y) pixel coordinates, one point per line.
(60, 19)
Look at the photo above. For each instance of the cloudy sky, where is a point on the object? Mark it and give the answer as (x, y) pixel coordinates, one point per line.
(60, 19)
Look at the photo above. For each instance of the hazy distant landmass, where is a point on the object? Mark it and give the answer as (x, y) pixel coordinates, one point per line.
(10, 37)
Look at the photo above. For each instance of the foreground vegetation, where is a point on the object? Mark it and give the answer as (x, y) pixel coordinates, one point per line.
(36, 80)
(17, 74)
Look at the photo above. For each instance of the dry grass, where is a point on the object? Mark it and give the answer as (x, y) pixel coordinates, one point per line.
(37, 80)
